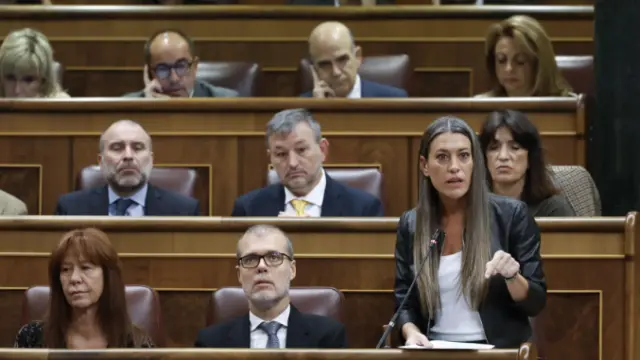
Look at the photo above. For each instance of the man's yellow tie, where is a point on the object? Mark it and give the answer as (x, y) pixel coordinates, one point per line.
(299, 205)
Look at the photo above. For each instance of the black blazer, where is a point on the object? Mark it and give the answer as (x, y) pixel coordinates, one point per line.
(506, 322)
(370, 89)
(95, 202)
(339, 200)
(305, 331)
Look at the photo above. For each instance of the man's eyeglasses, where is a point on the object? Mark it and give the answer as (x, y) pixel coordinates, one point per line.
(272, 259)
(163, 71)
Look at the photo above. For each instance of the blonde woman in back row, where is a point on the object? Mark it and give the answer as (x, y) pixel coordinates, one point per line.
(27, 67)
(520, 60)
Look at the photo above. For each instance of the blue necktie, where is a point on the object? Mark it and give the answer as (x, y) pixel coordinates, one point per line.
(122, 205)
(271, 328)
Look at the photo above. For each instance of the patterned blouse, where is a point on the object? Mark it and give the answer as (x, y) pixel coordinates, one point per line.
(32, 336)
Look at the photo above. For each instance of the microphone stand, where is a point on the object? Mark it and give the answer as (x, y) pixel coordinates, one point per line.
(394, 318)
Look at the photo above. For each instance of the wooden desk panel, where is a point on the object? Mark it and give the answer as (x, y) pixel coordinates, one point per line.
(588, 315)
(525, 352)
(49, 142)
(101, 47)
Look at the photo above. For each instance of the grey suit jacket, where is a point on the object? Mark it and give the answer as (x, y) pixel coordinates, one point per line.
(11, 205)
(201, 89)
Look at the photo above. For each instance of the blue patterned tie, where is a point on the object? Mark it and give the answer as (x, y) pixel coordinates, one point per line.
(271, 328)
(122, 205)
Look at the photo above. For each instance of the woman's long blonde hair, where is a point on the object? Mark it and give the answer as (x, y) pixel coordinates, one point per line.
(530, 36)
(27, 52)
(477, 233)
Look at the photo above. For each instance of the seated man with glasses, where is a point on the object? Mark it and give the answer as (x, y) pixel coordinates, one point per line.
(170, 69)
(265, 269)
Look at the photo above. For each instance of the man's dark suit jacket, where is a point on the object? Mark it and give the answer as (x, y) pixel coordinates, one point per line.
(339, 200)
(201, 89)
(95, 202)
(305, 331)
(370, 89)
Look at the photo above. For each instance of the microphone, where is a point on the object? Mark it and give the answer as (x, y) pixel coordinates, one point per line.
(392, 323)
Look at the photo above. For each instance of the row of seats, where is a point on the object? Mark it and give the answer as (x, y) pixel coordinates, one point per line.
(225, 304)
(574, 181)
(393, 70)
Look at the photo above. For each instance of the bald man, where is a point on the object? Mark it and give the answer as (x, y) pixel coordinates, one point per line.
(265, 267)
(171, 67)
(126, 160)
(336, 60)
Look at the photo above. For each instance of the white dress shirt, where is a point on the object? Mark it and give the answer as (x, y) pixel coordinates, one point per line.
(356, 91)
(314, 199)
(259, 337)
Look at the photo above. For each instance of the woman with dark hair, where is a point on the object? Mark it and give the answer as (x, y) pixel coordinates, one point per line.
(87, 308)
(515, 160)
(483, 279)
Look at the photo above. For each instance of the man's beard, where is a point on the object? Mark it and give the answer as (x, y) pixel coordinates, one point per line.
(127, 189)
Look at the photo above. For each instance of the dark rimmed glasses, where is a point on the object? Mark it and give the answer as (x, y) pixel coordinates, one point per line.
(182, 67)
(272, 259)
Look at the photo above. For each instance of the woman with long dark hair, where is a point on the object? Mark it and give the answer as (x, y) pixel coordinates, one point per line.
(87, 308)
(483, 279)
(516, 167)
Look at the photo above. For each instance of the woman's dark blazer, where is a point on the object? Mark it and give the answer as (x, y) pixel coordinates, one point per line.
(505, 321)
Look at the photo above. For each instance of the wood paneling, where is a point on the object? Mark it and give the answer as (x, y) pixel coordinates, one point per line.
(586, 317)
(525, 352)
(224, 139)
(102, 48)
(285, 2)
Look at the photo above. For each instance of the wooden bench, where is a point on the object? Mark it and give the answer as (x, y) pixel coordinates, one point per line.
(102, 47)
(592, 272)
(44, 144)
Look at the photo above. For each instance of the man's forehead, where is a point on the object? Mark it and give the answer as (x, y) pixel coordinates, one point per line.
(126, 132)
(273, 241)
(301, 132)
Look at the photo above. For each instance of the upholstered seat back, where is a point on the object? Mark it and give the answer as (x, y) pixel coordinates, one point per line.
(179, 180)
(578, 187)
(230, 302)
(242, 77)
(578, 71)
(393, 70)
(366, 179)
(142, 304)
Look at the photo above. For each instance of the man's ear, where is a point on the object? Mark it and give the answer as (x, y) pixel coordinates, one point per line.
(358, 53)
(324, 148)
(424, 166)
(194, 64)
(293, 270)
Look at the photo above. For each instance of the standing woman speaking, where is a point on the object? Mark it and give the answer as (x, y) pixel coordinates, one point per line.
(483, 279)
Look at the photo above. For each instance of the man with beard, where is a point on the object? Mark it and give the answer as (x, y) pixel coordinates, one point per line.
(171, 67)
(265, 269)
(336, 60)
(297, 150)
(126, 160)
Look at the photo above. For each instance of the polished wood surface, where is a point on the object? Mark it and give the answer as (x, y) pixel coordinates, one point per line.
(285, 2)
(525, 352)
(44, 144)
(184, 259)
(102, 47)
